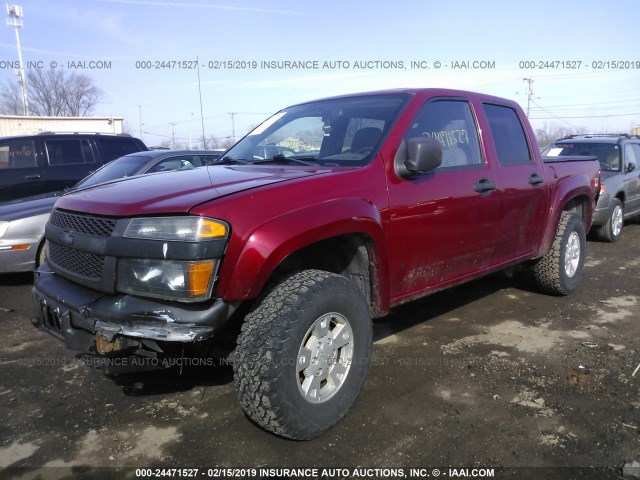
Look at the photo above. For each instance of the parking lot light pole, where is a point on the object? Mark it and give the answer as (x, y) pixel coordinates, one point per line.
(15, 20)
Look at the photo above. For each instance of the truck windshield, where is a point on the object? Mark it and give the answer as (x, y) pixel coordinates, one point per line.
(608, 153)
(339, 132)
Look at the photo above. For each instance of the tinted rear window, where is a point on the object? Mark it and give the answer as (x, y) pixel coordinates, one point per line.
(68, 151)
(608, 153)
(18, 154)
(508, 135)
(114, 147)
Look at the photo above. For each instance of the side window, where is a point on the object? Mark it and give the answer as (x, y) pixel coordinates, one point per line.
(452, 124)
(636, 149)
(18, 154)
(187, 162)
(114, 147)
(68, 151)
(631, 156)
(508, 135)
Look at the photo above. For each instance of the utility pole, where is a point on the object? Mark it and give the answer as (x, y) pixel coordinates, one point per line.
(15, 20)
(233, 125)
(173, 135)
(140, 118)
(529, 93)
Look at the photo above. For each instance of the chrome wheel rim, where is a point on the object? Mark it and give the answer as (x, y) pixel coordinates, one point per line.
(324, 357)
(616, 221)
(572, 254)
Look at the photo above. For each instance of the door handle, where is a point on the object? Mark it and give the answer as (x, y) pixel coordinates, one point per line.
(484, 186)
(32, 177)
(535, 180)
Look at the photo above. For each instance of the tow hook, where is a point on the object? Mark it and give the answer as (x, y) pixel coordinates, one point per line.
(105, 346)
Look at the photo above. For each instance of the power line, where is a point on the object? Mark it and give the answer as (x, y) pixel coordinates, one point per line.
(587, 116)
(554, 116)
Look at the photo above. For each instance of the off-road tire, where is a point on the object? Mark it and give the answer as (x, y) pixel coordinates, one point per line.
(550, 272)
(266, 372)
(610, 232)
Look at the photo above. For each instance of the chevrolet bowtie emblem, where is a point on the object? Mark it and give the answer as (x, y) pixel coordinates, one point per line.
(66, 238)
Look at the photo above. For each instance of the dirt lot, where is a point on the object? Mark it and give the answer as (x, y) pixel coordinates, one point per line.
(490, 374)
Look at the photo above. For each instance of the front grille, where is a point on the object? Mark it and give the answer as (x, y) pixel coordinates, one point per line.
(83, 263)
(98, 226)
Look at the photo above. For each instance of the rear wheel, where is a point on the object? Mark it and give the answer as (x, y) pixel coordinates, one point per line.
(303, 354)
(559, 272)
(610, 231)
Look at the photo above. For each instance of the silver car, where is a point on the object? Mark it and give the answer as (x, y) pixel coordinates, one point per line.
(22, 222)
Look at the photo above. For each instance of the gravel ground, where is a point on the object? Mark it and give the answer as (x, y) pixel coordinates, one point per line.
(489, 374)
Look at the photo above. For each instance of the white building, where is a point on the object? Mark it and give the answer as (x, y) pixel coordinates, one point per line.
(19, 125)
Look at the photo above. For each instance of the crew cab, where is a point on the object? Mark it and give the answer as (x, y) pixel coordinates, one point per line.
(619, 195)
(390, 196)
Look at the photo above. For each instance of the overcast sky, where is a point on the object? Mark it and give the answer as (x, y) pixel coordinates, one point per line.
(366, 46)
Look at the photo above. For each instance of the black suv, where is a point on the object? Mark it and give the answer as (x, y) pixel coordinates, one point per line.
(619, 157)
(48, 162)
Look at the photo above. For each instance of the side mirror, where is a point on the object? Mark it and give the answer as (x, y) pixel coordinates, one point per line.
(630, 167)
(417, 155)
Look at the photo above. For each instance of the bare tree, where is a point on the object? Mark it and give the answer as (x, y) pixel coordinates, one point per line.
(11, 99)
(211, 142)
(53, 93)
(218, 142)
(227, 143)
(551, 132)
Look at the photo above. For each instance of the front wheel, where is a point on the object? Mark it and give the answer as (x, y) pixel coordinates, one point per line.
(303, 354)
(559, 272)
(610, 231)
(41, 254)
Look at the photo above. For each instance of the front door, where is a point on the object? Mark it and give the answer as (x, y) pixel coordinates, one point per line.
(444, 223)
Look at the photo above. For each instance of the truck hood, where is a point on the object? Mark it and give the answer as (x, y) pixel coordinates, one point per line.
(177, 191)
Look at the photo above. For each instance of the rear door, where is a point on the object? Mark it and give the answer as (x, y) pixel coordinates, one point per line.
(444, 223)
(21, 169)
(69, 160)
(522, 189)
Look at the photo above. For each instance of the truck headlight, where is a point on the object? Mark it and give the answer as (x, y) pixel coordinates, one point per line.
(187, 281)
(170, 279)
(186, 229)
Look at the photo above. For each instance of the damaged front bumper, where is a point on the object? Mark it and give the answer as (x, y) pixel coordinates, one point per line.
(100, 324)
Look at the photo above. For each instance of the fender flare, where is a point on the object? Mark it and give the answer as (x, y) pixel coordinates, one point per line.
(568, 190)
(264, 248)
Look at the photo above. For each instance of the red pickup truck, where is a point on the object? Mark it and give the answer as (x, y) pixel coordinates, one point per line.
(327, 215)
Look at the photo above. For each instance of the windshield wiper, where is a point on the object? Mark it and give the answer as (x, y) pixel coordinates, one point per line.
(280, 158)
(230, 161)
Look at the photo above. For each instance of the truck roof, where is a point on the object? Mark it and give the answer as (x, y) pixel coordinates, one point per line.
(426, 92)
(597, 138)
